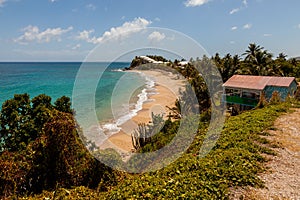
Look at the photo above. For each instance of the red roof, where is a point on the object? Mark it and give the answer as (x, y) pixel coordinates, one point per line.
(257, 82)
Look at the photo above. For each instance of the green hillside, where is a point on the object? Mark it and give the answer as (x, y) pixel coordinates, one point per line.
(234, 161)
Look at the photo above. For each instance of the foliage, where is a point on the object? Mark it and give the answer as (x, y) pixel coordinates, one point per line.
(40, 148)
(157, 58)
(297, 95)
(63, 104)
(197, 86)
(41, 110)
(72, 194)
(138, 61)
(257, 61)
(13, 172)
(163, 137)
(22, 120)
(16, 122)
(140, 136)
(275, 98)
(262, 101)
(54, 157)
(69, 163)
(234, 161)
(143, 134)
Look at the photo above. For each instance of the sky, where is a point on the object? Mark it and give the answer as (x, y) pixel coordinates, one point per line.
(68, 30)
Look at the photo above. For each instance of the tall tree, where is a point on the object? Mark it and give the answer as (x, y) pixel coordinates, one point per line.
(41, 109)
(17, 129)
(282, 56)
(257, 61)
(251, 52)
(63, 104)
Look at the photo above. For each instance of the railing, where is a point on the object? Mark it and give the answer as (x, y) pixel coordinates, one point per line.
(240, 100)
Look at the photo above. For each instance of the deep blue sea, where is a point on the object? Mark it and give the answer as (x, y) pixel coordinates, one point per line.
(57, 79)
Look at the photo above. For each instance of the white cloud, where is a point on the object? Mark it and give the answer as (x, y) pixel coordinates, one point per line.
(85, 35)
(267, 35)
(247, 26)
(298, 25)
(156, 36)
(91, 7)
(2, 2)
(32, 33)
(232, 42)
(193, 3)
(234, 11)
(119, 32)
(234, 28)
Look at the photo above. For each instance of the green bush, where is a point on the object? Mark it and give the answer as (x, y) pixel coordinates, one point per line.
(52, 157)
(234, 161)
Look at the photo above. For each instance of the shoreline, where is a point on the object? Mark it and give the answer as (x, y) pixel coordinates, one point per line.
(167, 86)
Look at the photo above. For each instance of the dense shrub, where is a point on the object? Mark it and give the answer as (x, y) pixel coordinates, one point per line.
(53, 157)
(234, 161)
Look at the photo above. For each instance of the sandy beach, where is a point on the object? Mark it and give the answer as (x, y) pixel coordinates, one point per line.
(167, 86)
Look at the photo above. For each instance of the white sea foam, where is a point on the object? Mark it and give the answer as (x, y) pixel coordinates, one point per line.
(132, 110)
(111, 127)
(117, 70)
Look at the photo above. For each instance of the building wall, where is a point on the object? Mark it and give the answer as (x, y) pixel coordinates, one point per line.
(283, 91)
(293, 88)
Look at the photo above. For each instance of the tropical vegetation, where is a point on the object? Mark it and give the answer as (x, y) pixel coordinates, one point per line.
(43, 157)
(41, 148)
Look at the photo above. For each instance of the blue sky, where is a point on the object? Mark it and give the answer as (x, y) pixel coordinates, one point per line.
(67, 30)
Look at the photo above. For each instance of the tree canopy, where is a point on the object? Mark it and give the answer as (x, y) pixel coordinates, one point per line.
(41, 148)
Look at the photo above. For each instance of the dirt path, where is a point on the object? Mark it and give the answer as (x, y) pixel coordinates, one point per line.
(282, 181)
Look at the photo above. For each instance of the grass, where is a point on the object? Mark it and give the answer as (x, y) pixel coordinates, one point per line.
(235, 161)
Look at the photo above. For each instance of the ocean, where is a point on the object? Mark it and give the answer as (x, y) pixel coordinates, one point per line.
(118, 97)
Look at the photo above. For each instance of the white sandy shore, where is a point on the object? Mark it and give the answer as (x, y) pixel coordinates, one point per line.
(167, 86)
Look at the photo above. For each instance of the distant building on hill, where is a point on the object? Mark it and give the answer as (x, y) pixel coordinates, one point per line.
(246, 90)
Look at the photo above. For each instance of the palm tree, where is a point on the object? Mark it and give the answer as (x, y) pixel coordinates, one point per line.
(282, 56)
(251, 52)
(235, 65)
(263, 59)
(294, 62)
(225, 67)
(296, 67)
(257, 61)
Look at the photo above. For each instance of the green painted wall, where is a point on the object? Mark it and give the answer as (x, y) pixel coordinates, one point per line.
(240, 100)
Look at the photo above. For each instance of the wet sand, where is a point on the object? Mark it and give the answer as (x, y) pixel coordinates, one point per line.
(167, 86)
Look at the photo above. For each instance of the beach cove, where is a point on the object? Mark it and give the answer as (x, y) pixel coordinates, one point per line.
(166, 90)
(57, 79)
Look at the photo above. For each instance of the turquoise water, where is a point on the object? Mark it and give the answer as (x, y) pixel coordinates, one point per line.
(53, 79)
(117, 98)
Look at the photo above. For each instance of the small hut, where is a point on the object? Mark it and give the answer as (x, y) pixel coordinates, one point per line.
(246, 90)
